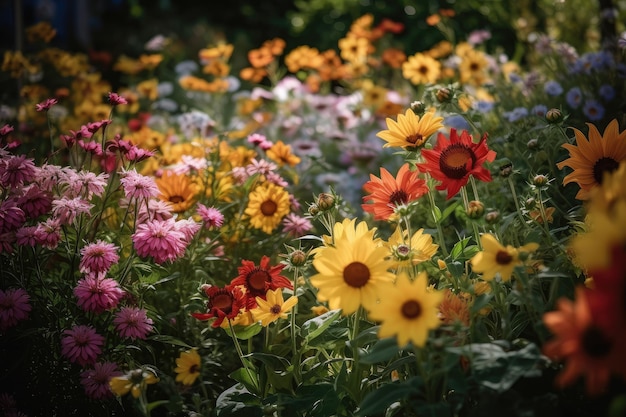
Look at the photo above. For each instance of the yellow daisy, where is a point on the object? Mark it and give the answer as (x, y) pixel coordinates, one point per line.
(352, 272)
(188, 367)
(593, 157)
(178, 190)
(408, 310)
(421, 69)
(408, 252)
(267, 206)
(281, 154)
(135, 382)
(273, 307)
(496, 258)
(410, 131)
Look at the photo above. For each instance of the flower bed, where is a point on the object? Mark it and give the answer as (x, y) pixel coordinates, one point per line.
(368, 231)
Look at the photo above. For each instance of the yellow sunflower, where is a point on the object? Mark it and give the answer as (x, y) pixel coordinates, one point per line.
(188, 367)
(353, 271)
(592, 158)
(177, 189)
(496, 258)
(473, 67)
(408, 310)
(407, 252)
(135, 382)
(273, 307)
(421, 69)
(267, 206)
(410, 131)
(281, 154)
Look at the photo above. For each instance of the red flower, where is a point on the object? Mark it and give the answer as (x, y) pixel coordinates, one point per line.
(224, 303)
(453, 160)
(257, 280)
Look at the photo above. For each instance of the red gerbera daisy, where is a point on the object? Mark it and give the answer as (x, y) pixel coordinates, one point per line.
(257, 280)
(453, 160)
(224, 303)
(387, 192)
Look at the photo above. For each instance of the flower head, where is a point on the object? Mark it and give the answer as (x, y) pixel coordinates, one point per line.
(453, 160)
(95, 380)
(98, 294)
(407, 310)
(410, 131)
(496, 258)
(223, 303)
(296, 226)
(267, 206)
(273, 307)
(159, 239)
(98, 257)
(259, 279)
(135, 382)
(133, 323)
(82, 344)
(14, 307)
(211, 216)
(405, 251)
(188, 367)
(178, 189)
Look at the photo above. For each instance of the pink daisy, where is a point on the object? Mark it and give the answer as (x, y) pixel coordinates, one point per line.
(157, 209)
(67, 209)
(295, 225)
(98, 294)
(259, 140)
(94, 148)
(136, 154)
(35, 201)
(138, 186)
(261, 167)
(48, 233)
(16, 170)
(133, 322)
(87, 184)
(14, 307)
(188, 227)
(211, 216)
(96, 380)
(7, 240)
(82, 344)
(115, 99)
(159, 239)
(11, 216)
(46, 104)
(98, 257)
(6, 129)
(26, 236)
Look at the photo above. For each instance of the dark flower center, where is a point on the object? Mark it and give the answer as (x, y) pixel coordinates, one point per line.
(222, 300)
(503, 257)
(415, 139)
(275, 309)
(456, 161)
(603, 165)
(356, 274)
(258, 278)
(595, 343)
(423, 70)
(268, 208)
(176, 199)
(398, 197)
(194, 369)
(411, 309)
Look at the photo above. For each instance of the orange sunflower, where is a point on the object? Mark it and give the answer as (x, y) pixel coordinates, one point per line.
(177, 189)
(453, 160)
(410, 131)
(593, 157)
(387, 192)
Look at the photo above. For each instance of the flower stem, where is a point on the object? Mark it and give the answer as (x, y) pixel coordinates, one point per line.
(442, 240)
(474, 226)
(240, 353)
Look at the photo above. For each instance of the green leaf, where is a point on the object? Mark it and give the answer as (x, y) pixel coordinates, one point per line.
(248, 379)
(237, 401)
(480, 302)
(154, 404)
(163, 338)
(272, 362)
(376, 402)
(382, 351)
(314, 327)
(245, 332)
(450, 209)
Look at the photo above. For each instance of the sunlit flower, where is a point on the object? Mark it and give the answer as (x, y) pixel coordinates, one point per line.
(159, 239)
(387, 193)
(421, 69)
(178, 189)
(282, 155)
(97, 257)
(267, 206)
(211, 216)
(258, 279)
(594, 156)
(223, 303)
(407, 310)
(273, 307)
(495, 258)
(133, 323)
(97, 294)
(353, 271)
(188, 367)
(95, 380)
(138, 186)
(410, 130)
(453, 160)
(135, 382)
(405, 252)
(454, 308)
(82, 344)
(14, 307)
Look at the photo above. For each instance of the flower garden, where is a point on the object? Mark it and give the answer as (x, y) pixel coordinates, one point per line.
(369, 230)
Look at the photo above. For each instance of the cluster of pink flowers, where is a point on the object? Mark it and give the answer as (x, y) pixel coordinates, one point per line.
(14, 307)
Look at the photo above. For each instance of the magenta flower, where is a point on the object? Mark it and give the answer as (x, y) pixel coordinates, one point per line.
(159, 239)
(16, 170)
(295, 225)
(211, 216)
(98, 257)
(133, 323)
(46, 104)
(48, 233)
(11, 216)
(82, 344)
(67, 209)
(14, 307)
(115, 99)
(35, 201)
(87, 184)
(26, 236)
(96, 380)
(189, 227)
(98, 294)
(259, 140)
(156, 210)
(6, 129)
(138, 186)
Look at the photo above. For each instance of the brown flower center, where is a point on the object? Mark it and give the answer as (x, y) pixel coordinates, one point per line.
(595, 342)
(503, 257)
(176, 199)
(603, 165)
(268, 208)
(411, 309)
(194, 369)
(423, 69)
(456, 161)
(416, 139)
(398, 197)
(222, 300)
(257, 279)
(356, 274)
(275, 309)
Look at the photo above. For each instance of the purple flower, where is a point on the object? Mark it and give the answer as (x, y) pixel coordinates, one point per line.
(607, 92)
(539, 110)
(115, 99)
(552, 88)
(97, 294)
(16, 170)
(295, 225)
(574, 97)
(82, 344)
(96, 380)
(593, 110)
(11, 216)
(133, 323)
(14, 307)
(35, 201)
(46, 104)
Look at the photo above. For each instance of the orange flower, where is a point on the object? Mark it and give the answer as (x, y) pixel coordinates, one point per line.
(454, 308)
(393, 57)
(260, 57)
(276, 46)
(254, 75)
(387, 192)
